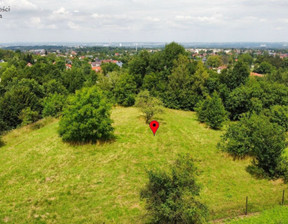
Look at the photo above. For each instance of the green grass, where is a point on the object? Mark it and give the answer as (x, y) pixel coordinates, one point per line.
(277, 215)
(44, 180)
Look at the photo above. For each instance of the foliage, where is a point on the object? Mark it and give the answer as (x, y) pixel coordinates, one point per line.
(53, 86)
(148, 105)
(86, 118)
(28, 116)
(214, 61)
(179, 94)
(199, 80)
(236, 76)
(171, 197)
(279, 114)
(73, 79)
(212, 111)
(264, 68)
(139, 66)
(171, 53)
(20, 95)
(53, 105)
(256, 136)
(8, 75)
(109, 67)
(247, 58)
(125, 90)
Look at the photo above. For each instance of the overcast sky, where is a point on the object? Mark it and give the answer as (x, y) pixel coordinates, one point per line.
(144, 20)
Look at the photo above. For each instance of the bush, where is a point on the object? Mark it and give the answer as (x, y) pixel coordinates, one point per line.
(279, 115)
(212, 111)
(28, 116)
(86, 118)
(148, 105)
(171, 197)
(53, 105)
(257, 137)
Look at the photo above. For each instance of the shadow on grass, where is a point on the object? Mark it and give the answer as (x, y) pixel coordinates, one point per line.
(1, 142)
(99, 142)
(257, 173)
(143, 118)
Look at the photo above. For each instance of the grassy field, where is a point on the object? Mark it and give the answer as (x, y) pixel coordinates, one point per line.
(277, 215)
(44, 180)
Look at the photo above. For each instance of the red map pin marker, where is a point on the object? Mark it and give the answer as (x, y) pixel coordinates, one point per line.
(154, 125)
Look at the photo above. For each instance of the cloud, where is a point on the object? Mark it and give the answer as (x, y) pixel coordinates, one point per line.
(21, 5)
(149, 20)
(73, 26)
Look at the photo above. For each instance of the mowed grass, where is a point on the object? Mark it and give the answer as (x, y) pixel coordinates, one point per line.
(43, 180)
(277, 215)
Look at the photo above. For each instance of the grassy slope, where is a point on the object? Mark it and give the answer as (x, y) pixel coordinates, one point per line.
(277, 215)
(43, 179)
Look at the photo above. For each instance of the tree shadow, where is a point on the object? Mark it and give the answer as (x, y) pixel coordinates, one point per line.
(98, 142)
(257, 172)
(1, 142)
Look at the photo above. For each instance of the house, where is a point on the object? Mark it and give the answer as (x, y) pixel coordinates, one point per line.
(96, 68)
(119, 63)
(256, 74)
(219, 69)
(68, 66)
(95, 64)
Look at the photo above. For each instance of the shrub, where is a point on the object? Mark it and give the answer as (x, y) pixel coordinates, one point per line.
(257, 137)
(86, 118)
(212, 111)
(148, 105)
(171, 197)
(28, 116)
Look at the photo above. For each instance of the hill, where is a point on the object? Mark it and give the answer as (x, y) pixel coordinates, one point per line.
(44, 180)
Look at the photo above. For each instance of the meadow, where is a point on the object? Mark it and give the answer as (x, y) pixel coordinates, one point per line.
(44, 180)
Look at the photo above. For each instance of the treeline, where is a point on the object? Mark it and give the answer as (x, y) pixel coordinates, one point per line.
(170, 75)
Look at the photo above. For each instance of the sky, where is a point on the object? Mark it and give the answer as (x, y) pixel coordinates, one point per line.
(144, 21)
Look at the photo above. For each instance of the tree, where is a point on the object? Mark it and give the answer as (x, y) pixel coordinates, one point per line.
(28, 116)
(53, 104)
(212, 111)
(171, 197)
(214, 61)
(125, 90)
(86, 118)
(237, 76)
(257, 137)
(199, 79)
(109, 67)
(73, 79)
(178, 94)
(139, 67)
(247, 58)
(148, 105)
(264, 68)
(8, 75)
(20, 95)
(171, 53)
(53, 86)
(279, 115)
